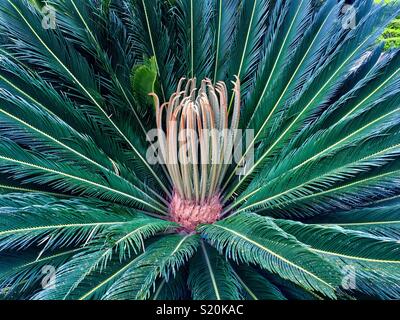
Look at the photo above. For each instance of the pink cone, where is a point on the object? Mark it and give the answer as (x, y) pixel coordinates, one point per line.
(189, 214)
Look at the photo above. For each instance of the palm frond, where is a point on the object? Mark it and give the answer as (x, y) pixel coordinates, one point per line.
(31, 167)
(226, 24)
(317, 200)
(375, 257)
(211, 277)
(247, 48)
(56, 223)
(381, 221)
(50, 51)
(24, 274)
(255, 286)
(195, 36)
(252, 239)
(174, 289)
(312, 96)
(88, 23)
(121, 240)
(162, 258)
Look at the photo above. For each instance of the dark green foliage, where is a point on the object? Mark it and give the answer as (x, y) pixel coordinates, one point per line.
(76, 190)
(391, 36)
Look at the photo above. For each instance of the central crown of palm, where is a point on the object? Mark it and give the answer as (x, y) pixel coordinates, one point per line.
(196, 145)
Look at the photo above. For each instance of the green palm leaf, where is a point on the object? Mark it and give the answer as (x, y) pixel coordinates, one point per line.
(211, 277)
(161, 258)
(373, 257)
(260, 241)
(347, 244)
(56, 223)
(380, 221)
(70, 67)
(257, 287)
(121, 241)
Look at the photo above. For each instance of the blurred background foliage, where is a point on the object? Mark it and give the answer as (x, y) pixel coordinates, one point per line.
(391, 36)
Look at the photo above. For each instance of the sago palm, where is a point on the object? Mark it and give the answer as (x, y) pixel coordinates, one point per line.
(302, 202)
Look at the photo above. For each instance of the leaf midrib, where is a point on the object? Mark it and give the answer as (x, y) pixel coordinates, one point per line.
(60, 226)
(82, 180)
(328, 173)
(211, 272)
